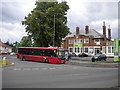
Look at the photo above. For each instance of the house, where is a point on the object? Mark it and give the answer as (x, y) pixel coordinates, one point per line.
(4, 48)
(89, 41)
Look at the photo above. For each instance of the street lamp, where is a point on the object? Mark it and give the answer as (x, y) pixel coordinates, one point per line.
(54, 33)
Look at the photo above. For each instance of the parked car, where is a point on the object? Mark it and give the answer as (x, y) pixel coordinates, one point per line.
(71, 55)
(12, 53)
(82, 55)
(4, 53)
(99, 57)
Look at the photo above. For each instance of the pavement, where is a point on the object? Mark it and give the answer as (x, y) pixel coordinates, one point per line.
(86, 62)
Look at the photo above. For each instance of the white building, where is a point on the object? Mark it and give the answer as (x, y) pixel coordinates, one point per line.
(5, 48)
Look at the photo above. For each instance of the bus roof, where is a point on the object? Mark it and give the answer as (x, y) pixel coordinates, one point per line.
(37, 47)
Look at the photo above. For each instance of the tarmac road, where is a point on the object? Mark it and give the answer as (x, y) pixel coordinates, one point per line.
(26, 74)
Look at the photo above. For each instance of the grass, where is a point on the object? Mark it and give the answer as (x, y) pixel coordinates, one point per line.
(5, 63)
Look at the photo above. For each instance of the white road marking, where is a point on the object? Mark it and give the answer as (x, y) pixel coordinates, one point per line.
(60, 68)
(35, 68)
(17, 69)
(26, 69)
(52, 68)
(44, 68)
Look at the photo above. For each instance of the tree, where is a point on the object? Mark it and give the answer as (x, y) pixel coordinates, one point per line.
(39, 23)
(14, 46)
(25, 42)
(9, 44)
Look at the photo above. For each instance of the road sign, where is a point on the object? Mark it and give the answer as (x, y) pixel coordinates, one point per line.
(116, 49)
(78, 44)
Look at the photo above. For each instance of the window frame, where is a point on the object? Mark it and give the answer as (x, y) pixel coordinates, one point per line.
(85, 40)
(85, 49)
(70, 41)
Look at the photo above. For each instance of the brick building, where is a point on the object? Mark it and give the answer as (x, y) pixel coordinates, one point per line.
(4, 48)
(89, 41)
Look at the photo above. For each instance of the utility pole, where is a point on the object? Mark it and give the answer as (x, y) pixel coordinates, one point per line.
(54, 33)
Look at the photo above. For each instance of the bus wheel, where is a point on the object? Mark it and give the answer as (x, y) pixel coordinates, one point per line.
(23, 58)
(46, 61)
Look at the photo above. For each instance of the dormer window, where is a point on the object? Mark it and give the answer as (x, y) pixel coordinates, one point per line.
(86, 40)
(70, 41)
(97, 40)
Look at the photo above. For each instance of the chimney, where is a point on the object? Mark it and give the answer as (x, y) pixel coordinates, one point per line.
(104, 31)
(77, 31)
(86, 29)
(109, 33)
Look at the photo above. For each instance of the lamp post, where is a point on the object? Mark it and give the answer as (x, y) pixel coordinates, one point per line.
(54, 32)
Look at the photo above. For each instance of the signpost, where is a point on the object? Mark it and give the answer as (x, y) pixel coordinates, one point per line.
(116, 50)
(78, 44)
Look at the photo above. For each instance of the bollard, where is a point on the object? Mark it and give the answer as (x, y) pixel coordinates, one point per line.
(4, 62)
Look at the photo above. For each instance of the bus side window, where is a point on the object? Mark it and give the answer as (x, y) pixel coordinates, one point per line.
(39, 52)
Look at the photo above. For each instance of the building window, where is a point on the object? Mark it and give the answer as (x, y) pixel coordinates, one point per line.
(86, 41)
(70, 49)
(86, 49)
(110, 49)
(78, 41)
(75, 41)
(70, 41)
(97, 40)
(77, 49)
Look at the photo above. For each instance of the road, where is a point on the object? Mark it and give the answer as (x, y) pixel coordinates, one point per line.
(27, 74)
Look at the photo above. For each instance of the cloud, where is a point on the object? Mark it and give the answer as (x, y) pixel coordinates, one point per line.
(16, 11)
(81, 13)
(12, 32)
(12, 15)
(93, 14)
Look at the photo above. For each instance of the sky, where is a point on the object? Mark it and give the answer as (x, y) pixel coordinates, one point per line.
(81, 13)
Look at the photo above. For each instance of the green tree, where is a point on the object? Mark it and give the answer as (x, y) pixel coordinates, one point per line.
(9, 44)
(40, 22)
(14, 46)
(25, 42)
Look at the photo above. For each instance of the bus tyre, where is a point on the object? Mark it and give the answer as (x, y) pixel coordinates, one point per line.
(63, 62)
(23, 58)
(46, 61)
(93, 60)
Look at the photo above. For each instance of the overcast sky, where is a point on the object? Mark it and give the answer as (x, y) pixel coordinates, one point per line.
(91, 13)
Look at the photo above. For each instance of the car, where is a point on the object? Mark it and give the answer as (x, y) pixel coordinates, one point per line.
(12, 53)
(82, 55)
(99, 57)
(4, 53)
(71, 55)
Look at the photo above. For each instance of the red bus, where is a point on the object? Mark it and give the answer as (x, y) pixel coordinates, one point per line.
(48, 55)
